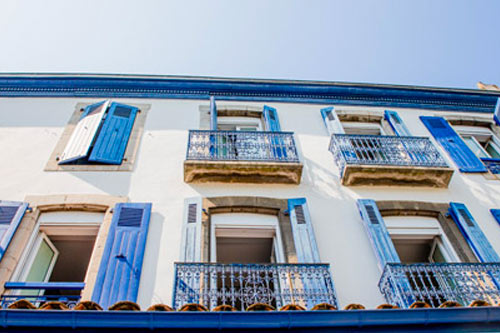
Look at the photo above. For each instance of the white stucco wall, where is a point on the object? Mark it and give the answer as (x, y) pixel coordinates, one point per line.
(31, 127)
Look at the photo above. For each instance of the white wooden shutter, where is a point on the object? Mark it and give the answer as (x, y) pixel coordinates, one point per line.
(191, 234)
(332, 121)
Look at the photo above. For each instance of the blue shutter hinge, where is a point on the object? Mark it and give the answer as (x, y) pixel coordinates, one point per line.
(286, 212)
(29, 209)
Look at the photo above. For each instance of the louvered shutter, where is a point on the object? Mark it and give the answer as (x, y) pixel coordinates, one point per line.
(191, 243)
(11, 214)
(114, 135)
(496, 114)
(83, 135)
(213, 114)
(271, 119)
(472, 233)
(302, 230)
(496, 214)
(332, 121)
(457, 149)
(396, 123)
(377, 232)
(121, 263)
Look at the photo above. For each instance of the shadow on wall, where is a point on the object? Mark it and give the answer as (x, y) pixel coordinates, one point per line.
(112, 183)
(151, 261)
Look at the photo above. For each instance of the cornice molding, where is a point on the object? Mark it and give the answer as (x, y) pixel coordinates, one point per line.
(246, 90)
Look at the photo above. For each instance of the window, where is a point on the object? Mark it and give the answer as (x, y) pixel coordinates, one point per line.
(482, 142)
(239, 124)
(362, 128)
(100, 136)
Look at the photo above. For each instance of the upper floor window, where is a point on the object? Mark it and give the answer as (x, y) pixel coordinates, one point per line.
(481, 140)
(248, 124)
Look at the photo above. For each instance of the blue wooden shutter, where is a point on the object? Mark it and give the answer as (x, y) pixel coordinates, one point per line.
(496, 214)
(121, 263)
(112, 140)
(457, 149)
(472, 233)
(191, 236)
(377, 232)
(271, 119)
(213, 114)
(332, 121)
(397, 124)
(496, 114)
(11, 214)
(302, 230)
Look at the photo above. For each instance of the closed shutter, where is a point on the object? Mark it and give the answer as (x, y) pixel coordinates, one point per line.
(332, 121)
(271, 119)
(496, 114)
(302, 230)
(113, 138)
(457, 149)
(472, 233)
(191, 235)
(11, 214)
(213, 114)
(377, 232)
(496, 214)
(83, 135)
(121, 263)
(396, 123)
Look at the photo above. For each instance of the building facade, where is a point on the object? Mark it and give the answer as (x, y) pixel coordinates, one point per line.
(177, 190)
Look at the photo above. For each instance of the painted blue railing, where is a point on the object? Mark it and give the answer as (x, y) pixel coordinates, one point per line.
(435, 283)
(241, 146)
(493, 164)
(384, 150)
(41, 292)
(241, 285)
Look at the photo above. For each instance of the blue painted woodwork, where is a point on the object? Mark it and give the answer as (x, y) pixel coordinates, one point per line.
(496, 113)
(271, 118)
(348, 149)
(331, 120)
(121, 263)
(247, 90)
(11, 214)
(37, 298)
(241, 285)
(492, 164)
(213, 114)
(473, 233)
(397, 124)
(377, 232)
(496, 214)
(306, 247)
(241, 146)
(463, 157)
(114, 135)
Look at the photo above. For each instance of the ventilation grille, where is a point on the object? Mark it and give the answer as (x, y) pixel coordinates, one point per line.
(192, 213)
(299, 213)
(7, 214)
(372, 215)
(466, 217)
(130, 217)
(436, 123)
(330, 116)
(121, 111)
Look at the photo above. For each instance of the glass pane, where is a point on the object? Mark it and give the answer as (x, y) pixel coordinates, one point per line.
(40, 267)
(437, 256)
(493, 149)
(474, 146)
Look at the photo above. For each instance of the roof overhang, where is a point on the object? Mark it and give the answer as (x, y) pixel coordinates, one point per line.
(183, 87)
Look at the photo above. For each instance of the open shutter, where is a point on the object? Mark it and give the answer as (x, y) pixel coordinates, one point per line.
(83, 135)
(11, 214)
(302, 230)
(213, 114)
(191, 236)
(121, 263)
(472, 233)
(112, 140)
(457, 149)
(271, 119)
(332, 121)
(496, 214)
(377, 232)
(397, 125)
(496, 114)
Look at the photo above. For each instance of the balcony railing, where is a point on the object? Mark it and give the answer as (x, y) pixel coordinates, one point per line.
(41, 292)
(241, 285)
(241, 146)
(385, 150)
(493, 164)
(435, 283)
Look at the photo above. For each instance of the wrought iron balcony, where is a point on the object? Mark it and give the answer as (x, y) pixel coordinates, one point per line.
(389, 160)
(41, 292)
(242, 285)
(493, 164)
(241, 156)
(435, 283)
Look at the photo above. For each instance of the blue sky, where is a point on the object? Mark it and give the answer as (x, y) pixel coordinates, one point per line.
(449, 43)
